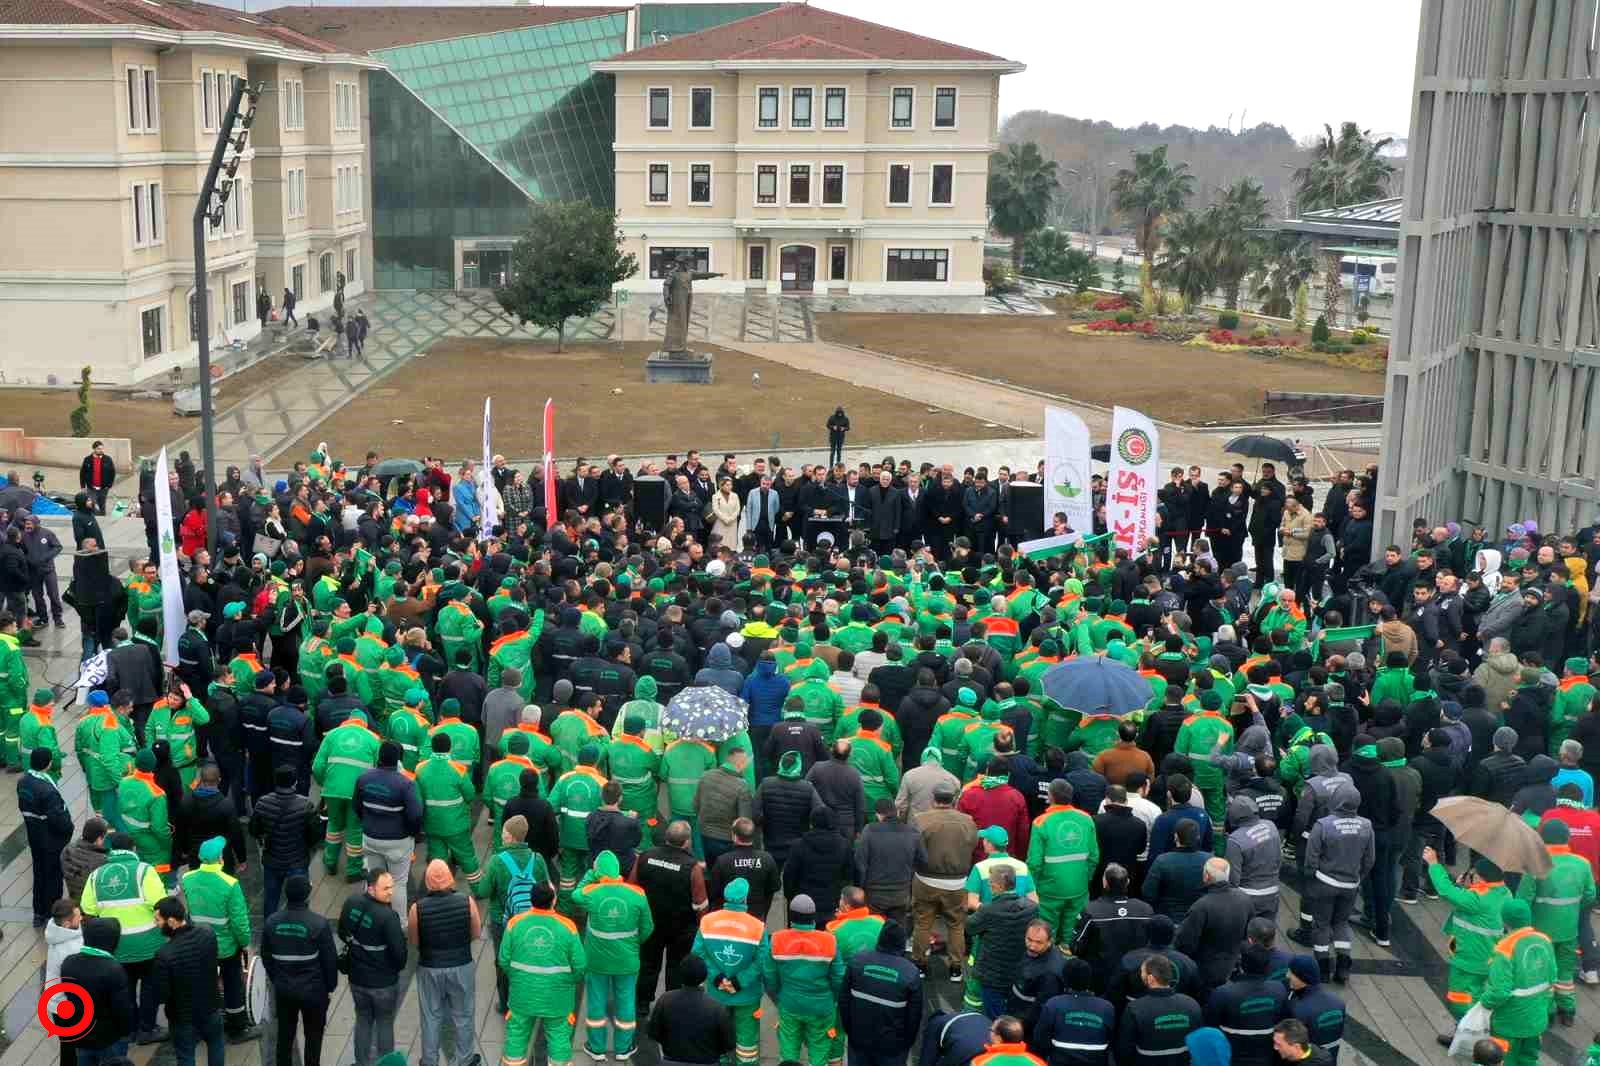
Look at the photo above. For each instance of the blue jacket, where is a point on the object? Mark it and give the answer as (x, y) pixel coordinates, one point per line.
(719, 670)
(765, 690)
(1075, 1029)
(953, 1039)
(1246, 1009)
(464, 496)
(1163, 834)
(388, 805)
(1323, 1013)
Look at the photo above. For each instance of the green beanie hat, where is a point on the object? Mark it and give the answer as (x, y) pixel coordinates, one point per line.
(645, 688)
(605, 864)
(395, 656)
(43, 696)
(1577, 664)
(415, 697)
(1211, 700)
(517, 742)
(966, 697)
(589, 754)
(1488, 869)
(508, 583)
(145, 760)
(633, 725)
(1117, 607)
(211, 850)
(1555, 831)
(1516, 914)
(737, 892)
(450, 708)
(346, 646)
(279, 568)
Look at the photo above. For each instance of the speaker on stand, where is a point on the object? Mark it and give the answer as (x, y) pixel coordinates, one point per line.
(650, 502)
(1024, 511)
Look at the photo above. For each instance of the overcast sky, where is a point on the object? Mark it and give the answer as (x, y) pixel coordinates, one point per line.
(1295, 64)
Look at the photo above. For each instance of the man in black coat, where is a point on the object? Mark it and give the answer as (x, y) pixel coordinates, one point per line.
(880, 1001)
(206, 812)
(1265, 518)
(688, 1025)
(186, 977)
(887, 509)
(286, 825)
(44, 813)
(1123, 836)
(298, 951)
(97, 474)
(745, 860)
(106, 983)
(543, 827)
(1213, 931)
(999, 930)
(1111, 926)
(943, 518)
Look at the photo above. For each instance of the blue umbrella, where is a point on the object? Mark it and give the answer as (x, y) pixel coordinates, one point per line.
(705, 712)
(1095, 684)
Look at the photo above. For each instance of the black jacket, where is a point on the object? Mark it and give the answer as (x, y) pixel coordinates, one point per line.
(783, 807)
(1242, 1008)
(378, 943)
(1213, 932)
(839, 786)
(1438, 781)
(1109, 928)
(135, 666)
(206, 814)
(106, 982)
(78, 862)
(795, 734)
(690, 1026)
(186, 974)
(887, 855)
(999, 930)
(1173, 883)
(916, 714)
(1498, 776)
(880, 1002)
(286, 825)
(1140, 1030)
(388, 805)
(44, 813)
(818, 866)
(543, 829)
(1530, 717)
(1123, 837)
(1379, 804)
(618, 832)
(299, 932)
(759, 869)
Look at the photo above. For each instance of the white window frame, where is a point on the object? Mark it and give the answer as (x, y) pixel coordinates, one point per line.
(708, 246)
(355, 189)
(149, 207)
(144, 89)
(236, 207)
(233, 288)
(826, 89)
(208, 101)
(888, 184)
(955, 113)
(949, 257)
(649, 99)
(166, 327)
(649, 174)
(711, 186)
(912, 89)
(705, 89)
(347, 110)
(931, 201)
(777, 123)
(788, 186)
(831, 246)
(293, 109)
(152, 100)
(327, 280)
(294, 193)
(822, 183)
(777, 176)
(789, 122)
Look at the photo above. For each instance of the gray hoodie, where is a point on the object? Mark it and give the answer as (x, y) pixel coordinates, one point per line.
(1241, 762)
(917, 785)
(1255, 850)
(1316, 798)
(719, 671)
(1340, 849)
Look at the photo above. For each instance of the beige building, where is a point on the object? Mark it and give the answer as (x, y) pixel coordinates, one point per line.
(108, 118)
(804, 151)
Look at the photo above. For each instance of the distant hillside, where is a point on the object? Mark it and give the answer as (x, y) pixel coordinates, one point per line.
(1217, 157)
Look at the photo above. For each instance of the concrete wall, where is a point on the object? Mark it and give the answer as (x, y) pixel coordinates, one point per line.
(1324, 406)
(17, 447)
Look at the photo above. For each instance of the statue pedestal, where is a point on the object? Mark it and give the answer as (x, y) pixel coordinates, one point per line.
(678, 368)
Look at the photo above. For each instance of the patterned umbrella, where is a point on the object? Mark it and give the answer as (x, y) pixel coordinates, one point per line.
(705, 712)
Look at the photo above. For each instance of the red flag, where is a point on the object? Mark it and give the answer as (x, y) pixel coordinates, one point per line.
(550, 515)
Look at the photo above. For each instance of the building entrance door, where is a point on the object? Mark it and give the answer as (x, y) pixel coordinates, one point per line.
(798, 267)
(485, 268)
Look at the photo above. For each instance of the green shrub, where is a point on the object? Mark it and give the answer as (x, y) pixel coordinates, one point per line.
(79, 417)
(1228, 320)
(1320, 331)
(1359, 337)
(1260, 333)
(1336, 348)
(1125, 318)
(1319, 346)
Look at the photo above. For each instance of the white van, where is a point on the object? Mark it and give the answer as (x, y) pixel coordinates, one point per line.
(1380, 272)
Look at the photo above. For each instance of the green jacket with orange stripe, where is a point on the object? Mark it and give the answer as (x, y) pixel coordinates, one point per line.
(1474, 923)
(543, 954)
(1521, 985)
(1560, 897)
(1007, 1055)
(804, 971)
(633, 766)
(733, 944)
(349, 750)
(619, 918)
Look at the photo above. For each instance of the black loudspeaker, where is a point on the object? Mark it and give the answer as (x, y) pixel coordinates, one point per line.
(815, 527)
(1024, 511)
(650, 502)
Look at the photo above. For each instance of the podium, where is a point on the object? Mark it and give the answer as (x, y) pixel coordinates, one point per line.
(650, 501)
(815, 527)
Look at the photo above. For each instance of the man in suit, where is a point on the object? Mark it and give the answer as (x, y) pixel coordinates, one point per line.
(944, 514)
(581, 491)
(857, 508)
(761, 513)
(913, 520)
(887, 507)
(616, 485)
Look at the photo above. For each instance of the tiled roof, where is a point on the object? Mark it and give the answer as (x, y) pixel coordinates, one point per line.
(179, 15)
(367, 29)
(802, 31)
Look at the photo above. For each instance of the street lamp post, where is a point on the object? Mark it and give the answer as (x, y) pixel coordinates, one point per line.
(209, 208)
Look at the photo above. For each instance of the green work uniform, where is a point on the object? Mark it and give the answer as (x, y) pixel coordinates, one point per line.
(1197, 738)
(408, 728)
(176, 725)
(445, 787)
(803, 973)
(1063, 851)
(127, 889)
(1474, 927)
(143, 807)
(349, 750)
(822, 705)
(571, 730)
(1518, 993)
(13, 692)
(618, 924)
(950, 736)
(735, 945)
(501, 783)
(38, 731)
(850, 724)
(543, 954)
(634, 766)
(575, 797)
(1558, 900)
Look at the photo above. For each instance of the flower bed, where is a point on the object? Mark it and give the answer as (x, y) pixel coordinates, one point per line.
(1111, 303)
(1225, 340)
(1145, 328)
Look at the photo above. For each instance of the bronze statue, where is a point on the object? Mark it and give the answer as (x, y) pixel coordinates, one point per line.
(677, 293)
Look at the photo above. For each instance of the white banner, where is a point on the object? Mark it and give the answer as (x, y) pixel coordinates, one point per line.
(173, 619)
(1066, 470)
(1135, 476)
(486, 513)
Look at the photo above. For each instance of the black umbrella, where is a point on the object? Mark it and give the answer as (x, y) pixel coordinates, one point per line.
(1260, 446)
(397, 467)
(1101, 452)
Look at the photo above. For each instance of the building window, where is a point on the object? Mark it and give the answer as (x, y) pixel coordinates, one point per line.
(153, 330)
(838, 258)
(241, 301)
(901, 108)
(700, 109)
(800, 109)
(348, 106)
(900, 184)
(758, 262)
(660, 109)
(944, 108)
(941, 184)
(194, 313)
(833, 108)
(800, 183)
(325, 272)
(662, 260)
(208, 101)
(350, 264)
(767, 183)
(144, 101)
(833, 184)
(767, 108)
(297, 281)
(660, 183)
(699, 183)
(294, 104)
(918, 264)
(347, 190)
(295, 193)
(148, 209)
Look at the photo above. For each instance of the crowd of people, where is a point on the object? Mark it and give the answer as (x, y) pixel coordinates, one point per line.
(368, 674)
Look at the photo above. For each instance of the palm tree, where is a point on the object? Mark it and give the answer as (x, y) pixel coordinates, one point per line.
(1151, 190)
(1290, 262)
(1347, 168)
(1187, 262)
(1236, 221)
(1022, 185)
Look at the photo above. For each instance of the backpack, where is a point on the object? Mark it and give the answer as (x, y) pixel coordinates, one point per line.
(519, 890)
